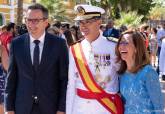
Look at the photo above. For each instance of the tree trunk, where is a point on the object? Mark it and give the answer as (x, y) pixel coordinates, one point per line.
(19, 12)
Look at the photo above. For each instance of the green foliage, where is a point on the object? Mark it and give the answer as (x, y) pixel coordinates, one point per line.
(144, 7)
(157, 13)
(110, 6)
(130, 19)
(159, 2)
(56, 9)
(141, 6)
(114, 7)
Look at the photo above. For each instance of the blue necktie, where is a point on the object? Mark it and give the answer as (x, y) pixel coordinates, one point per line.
(36, 54)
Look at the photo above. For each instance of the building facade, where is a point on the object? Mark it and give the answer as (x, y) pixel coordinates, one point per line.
(8, 9)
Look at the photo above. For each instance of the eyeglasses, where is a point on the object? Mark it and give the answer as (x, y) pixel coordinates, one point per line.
(34, 21)
(123, 43)
(86, 22)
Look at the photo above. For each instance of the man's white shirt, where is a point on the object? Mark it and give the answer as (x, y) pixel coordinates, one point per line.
(41, 45)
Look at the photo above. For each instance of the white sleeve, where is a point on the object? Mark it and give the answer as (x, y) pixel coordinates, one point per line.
(161, 60)
(158, 35)
(71, 90)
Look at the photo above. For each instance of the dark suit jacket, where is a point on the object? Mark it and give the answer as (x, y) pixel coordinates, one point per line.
(51, 81)
(114, 33)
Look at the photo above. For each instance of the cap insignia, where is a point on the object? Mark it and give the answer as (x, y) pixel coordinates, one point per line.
(80, 11)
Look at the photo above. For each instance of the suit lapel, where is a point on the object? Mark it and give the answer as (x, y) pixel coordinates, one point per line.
(45, 52)
(27, 54)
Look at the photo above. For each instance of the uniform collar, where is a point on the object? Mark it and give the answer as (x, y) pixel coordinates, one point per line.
(97, 41)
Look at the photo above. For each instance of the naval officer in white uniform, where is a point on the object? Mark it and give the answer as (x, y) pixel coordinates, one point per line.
(100, 58)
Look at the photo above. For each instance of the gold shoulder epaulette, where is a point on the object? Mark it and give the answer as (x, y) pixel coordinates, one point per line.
(78, 41)
(113, 39)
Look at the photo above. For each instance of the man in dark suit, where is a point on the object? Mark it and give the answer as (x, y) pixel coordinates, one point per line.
(110, 30)
(38, 69)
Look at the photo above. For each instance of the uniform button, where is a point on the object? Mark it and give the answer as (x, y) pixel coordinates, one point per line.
(88, 101)
(35, 97)
(77, 76)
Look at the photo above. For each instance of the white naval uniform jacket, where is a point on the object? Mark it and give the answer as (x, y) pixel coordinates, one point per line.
(78, 105)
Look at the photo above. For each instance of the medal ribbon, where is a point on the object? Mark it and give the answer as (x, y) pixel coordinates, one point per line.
(88, 79)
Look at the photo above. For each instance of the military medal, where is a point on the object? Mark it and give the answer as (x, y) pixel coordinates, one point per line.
(77, 75)
(108, 63)
(96, 64)
(102, 61)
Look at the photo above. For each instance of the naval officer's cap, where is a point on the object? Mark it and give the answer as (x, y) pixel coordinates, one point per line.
(84, 12)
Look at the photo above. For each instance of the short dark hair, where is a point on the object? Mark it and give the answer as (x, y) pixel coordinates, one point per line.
(37, 6)
(57, 24)
(22, 29)
(155, 30)
(10, 26)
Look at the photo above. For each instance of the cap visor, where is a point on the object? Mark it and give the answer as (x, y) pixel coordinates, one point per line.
(83, 18)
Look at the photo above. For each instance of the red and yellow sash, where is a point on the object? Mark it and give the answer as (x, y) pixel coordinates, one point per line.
(88, 79)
